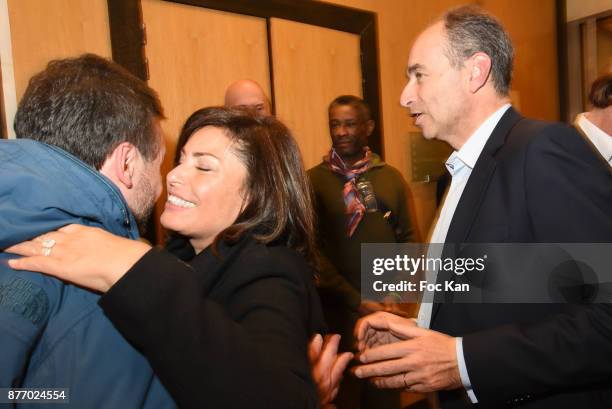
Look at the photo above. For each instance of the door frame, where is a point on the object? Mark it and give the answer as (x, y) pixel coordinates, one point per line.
(128, 38)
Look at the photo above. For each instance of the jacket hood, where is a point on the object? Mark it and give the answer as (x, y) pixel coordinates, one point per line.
(43, 188)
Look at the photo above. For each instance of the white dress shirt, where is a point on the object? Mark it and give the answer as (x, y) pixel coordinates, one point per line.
(600, 139)
(460, 165)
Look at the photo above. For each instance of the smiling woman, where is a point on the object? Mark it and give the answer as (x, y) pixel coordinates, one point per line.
(206, 190)
(227, 324)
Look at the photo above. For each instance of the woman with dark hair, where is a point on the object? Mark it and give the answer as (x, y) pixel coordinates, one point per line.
(227, 324)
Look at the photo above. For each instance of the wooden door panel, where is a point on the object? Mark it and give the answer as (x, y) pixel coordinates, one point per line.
(47, 30)
(195, 53)
(312, 65)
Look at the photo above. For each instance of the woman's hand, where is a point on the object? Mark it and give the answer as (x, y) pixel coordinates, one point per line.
(87, 256)
(327, 366)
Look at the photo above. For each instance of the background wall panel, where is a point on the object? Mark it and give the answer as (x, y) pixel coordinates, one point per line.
(577, 9)
(312, 66)
(34, 32)
(195, 53)
(532, 28)
(46, 30)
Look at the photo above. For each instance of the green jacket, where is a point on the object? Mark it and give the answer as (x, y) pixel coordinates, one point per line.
(341, 271)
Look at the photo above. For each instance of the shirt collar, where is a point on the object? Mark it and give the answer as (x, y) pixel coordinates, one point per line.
(470, 151)
(599, 138)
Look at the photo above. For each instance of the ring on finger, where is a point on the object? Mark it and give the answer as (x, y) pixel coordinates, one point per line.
(47, 246)
(406, 383)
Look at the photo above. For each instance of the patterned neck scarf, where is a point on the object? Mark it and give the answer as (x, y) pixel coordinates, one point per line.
(355, 209)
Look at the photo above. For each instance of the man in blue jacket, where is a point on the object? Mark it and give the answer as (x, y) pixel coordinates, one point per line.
(91, 152)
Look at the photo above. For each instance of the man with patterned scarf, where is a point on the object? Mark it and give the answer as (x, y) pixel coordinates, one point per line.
(358, 199)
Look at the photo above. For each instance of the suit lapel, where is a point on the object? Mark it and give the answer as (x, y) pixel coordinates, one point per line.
(470, 201)
(476, 188)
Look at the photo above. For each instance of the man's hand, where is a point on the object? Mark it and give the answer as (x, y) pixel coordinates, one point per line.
(381, 329)
(389, 305)
(398, 354)
(327, 366)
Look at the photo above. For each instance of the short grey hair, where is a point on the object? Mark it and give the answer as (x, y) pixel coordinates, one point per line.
(471, 30)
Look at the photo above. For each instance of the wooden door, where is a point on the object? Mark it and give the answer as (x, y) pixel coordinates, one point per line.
(39, 31)
(312, 65)
(195, 53)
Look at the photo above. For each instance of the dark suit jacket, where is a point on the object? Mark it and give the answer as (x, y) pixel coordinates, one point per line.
(226, 331)
(534, 182)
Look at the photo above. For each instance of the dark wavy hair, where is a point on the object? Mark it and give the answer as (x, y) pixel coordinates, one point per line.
(280, 207)
(87, 106)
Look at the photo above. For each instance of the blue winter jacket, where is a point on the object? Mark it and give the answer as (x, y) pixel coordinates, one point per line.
(53, 334)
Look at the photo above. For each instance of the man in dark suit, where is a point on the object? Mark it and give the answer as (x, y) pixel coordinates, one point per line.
(514, 180)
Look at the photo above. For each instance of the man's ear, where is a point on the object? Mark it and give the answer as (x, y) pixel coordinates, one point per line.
(479, 70)
(120, 165)
(370, 124)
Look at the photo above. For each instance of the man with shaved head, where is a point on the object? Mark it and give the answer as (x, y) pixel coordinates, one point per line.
(248, 94)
